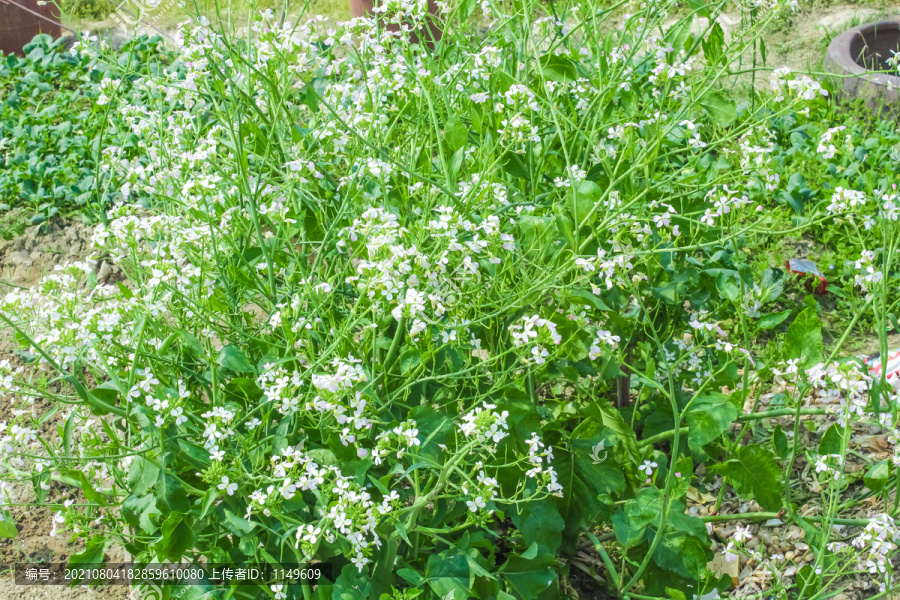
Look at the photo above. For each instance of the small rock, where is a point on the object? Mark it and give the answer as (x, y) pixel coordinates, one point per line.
(103, 273)
(789, 555)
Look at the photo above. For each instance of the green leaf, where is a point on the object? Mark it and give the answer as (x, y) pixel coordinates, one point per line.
(780, 442)
(528, 577)
(728, 284)
(411, 576)
(235, 525)
(832, 441)
(456, 133)
(685, 466)
(583, 199)
(804, 339)
(540, 523)
(235, 359)
(93, 551)
(708, 418)
(170, 495)
(535, 234)
(67, 433)
(177, 538)
(7, 525)
(720, 107)
(209, 499)
(699, 7)
(644, 509)
(584, 483)
(876, 477)
(772, 285)
(138, 512)
(448, 573)
(607, 414)
(675, 594)
(773, 319)
(142, 475)
(808, 583)
(754, 474)
(587, 298)
(558, 68)
(350, 585)
(713, 45)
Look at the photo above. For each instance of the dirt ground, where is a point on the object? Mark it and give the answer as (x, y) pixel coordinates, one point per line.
(23, 261)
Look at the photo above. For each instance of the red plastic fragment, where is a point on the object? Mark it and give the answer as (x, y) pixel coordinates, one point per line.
(808, 267)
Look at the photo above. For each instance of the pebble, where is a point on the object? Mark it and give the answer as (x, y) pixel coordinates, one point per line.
(765, 536)
(790, 555)
(808, 557)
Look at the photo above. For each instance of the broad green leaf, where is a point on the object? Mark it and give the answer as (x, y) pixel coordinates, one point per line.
(582, 200)
(772, 285)
(607, 414)
(235, 359)
(529, 577)
(644, 509)
(142, 476)
(720, 107)
(236, 525)
(773, 319)
(584, 483)
(709, 416)
(832, 441)
(177, 538)
(558, 68)
(93, 551)
(754, 474)
(728, 284)
(876, 477)
(804, 338)
(448, 573)
(713, 44)
(456, 133)
(587, 298)
(139, 513)
(170, 495)
(540, 523)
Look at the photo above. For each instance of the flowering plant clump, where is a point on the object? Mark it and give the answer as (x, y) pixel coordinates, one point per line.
(391, 300)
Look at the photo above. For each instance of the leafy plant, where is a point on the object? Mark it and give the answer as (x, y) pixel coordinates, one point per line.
(381, 314)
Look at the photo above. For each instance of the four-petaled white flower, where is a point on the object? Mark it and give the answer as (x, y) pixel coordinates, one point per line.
(648, 467)
(229, 487)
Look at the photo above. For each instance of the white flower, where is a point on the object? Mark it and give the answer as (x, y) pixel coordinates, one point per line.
(741, 534)
(178, 413)
(648, 467)
(229, 487)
